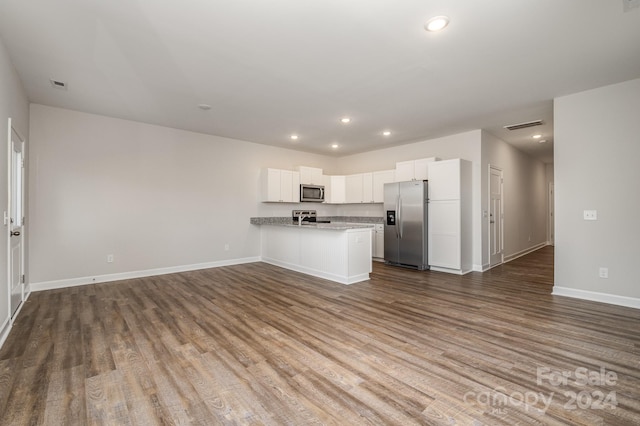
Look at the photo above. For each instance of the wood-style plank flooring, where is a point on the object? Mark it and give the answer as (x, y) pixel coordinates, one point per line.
(256, 344)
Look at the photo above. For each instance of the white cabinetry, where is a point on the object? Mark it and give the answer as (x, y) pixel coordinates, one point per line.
(413, 169)
(334, 189)
(280, 186)
(379, 179)
(359, 188)
(450, 246)
(343, 256)
(310, 175)
(378, 238)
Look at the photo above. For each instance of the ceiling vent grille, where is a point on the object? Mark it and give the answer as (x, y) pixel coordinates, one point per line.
(523, 125)
(58, 84)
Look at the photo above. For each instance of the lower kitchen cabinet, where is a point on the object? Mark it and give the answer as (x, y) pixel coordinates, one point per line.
(378, 241)
(333, 252)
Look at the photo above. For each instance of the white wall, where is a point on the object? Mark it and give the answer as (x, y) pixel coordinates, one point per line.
(597, 152)
(14, 105)
(463, 145)
(152, 196)
(524, 197)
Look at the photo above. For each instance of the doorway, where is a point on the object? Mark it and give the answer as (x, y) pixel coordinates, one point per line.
(496, 217)
(15, 218)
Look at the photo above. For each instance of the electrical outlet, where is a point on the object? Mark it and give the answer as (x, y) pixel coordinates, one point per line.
(604, 272)
(226, 247)
(109, 258)
(590, 214)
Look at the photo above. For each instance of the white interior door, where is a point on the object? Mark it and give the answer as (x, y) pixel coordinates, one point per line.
(16, 219)
(496, 239)
(552, 219)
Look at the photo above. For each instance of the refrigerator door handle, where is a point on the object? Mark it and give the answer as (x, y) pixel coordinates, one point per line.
(400, 217)
(397, 216)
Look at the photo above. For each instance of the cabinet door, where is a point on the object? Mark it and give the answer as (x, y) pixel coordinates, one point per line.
(421, 168)
(404, 171)
(310, 175)
(334, 189)
(367, 187)
(295, 187)
(444, 180)
(271, 185)
(379, 179)
(444, 234)
(286, 186)
(353, 188)
(379, 233)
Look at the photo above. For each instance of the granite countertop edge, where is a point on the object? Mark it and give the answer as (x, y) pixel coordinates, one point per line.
(337, 222)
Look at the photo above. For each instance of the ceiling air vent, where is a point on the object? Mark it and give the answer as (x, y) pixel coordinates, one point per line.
(58, 84)
(524, 125)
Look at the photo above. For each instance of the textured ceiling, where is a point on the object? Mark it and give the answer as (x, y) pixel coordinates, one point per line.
(273, 68)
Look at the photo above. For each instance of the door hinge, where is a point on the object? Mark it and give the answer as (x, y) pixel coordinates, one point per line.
(22, 278)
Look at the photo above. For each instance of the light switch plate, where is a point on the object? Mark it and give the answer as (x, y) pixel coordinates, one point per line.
(591, 215)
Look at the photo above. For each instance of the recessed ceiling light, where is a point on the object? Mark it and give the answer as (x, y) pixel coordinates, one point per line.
(537, 136)
(436, 23)
(334, 146)
(204, 107)
(294, 137)
(345, 120)
(542, 141)
(386, 133)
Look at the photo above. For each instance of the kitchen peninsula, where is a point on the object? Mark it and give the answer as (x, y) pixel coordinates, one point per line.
(337, 251)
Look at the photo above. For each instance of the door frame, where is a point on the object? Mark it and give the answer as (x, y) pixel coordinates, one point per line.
(500, 217)
(7, 217)
(551, 214)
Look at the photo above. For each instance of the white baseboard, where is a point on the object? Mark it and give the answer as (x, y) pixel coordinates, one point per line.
(524, 252)
(481, 268)
(72, 282)
(612, 299)
(449, 271)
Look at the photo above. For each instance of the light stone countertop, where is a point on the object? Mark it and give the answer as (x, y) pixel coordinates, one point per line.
(337, 222)
(334, 226)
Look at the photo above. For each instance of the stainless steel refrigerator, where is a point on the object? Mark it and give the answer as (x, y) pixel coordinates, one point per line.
(405, 226)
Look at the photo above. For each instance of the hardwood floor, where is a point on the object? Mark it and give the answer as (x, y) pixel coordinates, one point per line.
(256, 344)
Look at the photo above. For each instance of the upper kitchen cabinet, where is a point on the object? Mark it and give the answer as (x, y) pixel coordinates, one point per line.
(379, 179)
(413, 169)
(445, 179)
(334, 189)
(280, 186)
(359, 188)
(310, 175)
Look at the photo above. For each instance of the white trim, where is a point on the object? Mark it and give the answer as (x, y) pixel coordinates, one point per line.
(524, 252)
(501, 218)
(72, 282)
(5, 330)
(612, 299)
(448, 270)
(482, 268)
(317, 273)
(8, 323)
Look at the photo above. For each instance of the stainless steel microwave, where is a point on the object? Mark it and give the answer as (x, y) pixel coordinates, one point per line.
(311, 193)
